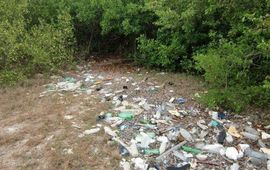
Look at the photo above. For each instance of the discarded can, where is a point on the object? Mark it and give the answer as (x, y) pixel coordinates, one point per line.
(126, 115)
(191, 150)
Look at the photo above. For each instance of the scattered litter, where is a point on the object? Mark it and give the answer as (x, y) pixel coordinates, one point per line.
(214, 123)
(91, 131)
(221, 136)
(232, 153)
(191, 150)
(155, 131)
(265, 136)
(68, 151)
(68, 117)
(234, 166)
(139, 163)
(250, 136)
(232, 131)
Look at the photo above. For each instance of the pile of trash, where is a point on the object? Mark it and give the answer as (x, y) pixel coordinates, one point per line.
(155, 133)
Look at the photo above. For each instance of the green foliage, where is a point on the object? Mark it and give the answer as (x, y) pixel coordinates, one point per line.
(228, 42)
(30, 44)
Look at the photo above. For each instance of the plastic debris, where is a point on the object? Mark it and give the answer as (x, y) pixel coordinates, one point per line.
(147, 128)
(256, 157)
(252, 130)
(125, 165)
(126, 115)
(68, 117)
(180, 100)
(214, 115)
(265, 135)
(214, 148)
(214, 123)
(109, 131)
(180, 155)
(144, 140)
(265, 150)
(221, 115)
(186, 135)
(164, 140)
(232, 153)
(221, 136)
(170, 150)
(229, 138)
(68, 151)
(201, 123)
(91, 131)
(232, 131)
(234, 166)
(250, 136)
(174, 113)
(201, 157)
(191, 150)
(139, 163)
(123, 151)
(151, 151)
(184, 167)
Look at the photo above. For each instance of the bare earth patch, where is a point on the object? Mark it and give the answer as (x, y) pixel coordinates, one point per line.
(43, 132)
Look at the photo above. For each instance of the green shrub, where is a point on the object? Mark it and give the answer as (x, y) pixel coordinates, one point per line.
(26, 47)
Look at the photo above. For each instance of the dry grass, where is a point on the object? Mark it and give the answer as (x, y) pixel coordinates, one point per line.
(34, 133)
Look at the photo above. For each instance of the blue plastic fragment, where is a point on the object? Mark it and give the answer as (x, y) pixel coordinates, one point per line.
(214, 123)
(180, 100)
(221, 115)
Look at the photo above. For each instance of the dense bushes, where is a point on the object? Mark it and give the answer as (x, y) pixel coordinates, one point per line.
(227, 42)
(31, 45)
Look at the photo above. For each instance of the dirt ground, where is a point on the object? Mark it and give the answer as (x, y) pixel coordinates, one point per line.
(34, 133)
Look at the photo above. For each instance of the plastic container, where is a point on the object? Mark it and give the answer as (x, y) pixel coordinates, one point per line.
(250, 136)
(186, 135)
(257, 157)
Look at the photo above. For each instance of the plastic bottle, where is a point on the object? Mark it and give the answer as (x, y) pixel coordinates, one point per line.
(250, 136)
(258, 157)
(164, 140)
(191, 150)
(214, 148)
(126, 115)
(133, 148)
(251, 130)
(186, 135)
